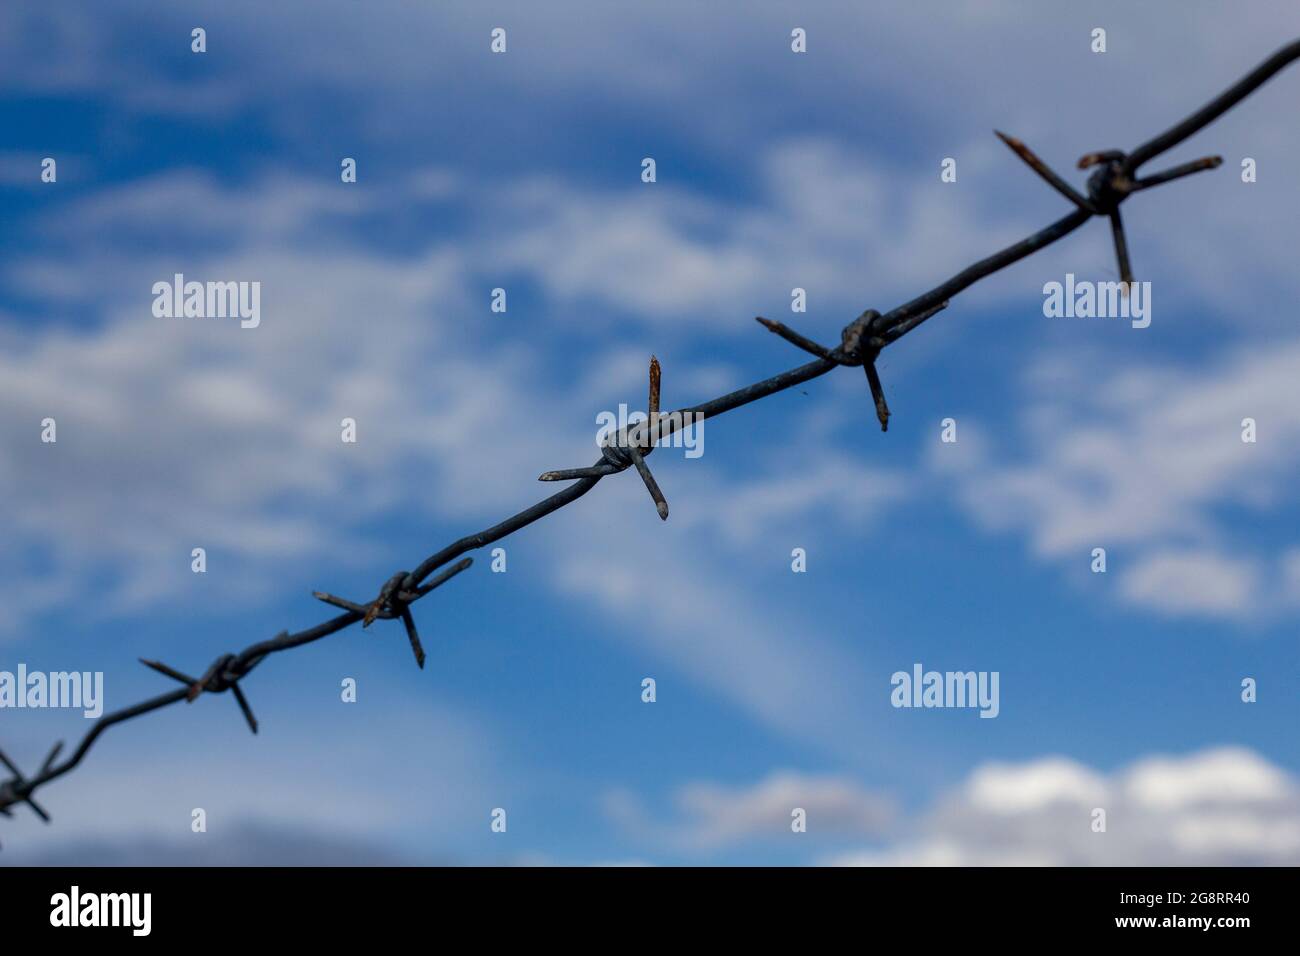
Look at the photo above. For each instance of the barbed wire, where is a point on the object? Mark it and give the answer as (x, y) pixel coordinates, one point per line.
(1113, 180)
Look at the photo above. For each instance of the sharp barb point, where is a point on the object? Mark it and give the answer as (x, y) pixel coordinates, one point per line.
(413, 636)
(335, 601)
(568, 474)
(1178, 172)
(797, 340)
(1044, 171)
(166, 671)
(655, 373)
(243, 706)
(1121, 248)
(877, 394)
(661, 505)
(40, 811)
(53, 755)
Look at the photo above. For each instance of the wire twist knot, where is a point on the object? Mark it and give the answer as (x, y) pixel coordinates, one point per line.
(861, 342)
(620, 451)
(223, 675)
(394, 601)
(615, 451)
(1108, 186)
(220, 677)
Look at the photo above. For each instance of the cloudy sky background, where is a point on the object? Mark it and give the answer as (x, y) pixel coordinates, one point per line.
(522, 171)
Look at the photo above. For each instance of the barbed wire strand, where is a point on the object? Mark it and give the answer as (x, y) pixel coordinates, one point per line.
(1112, 181)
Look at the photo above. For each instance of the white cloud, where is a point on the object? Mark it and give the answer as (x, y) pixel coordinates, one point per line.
(242, 843)
(1219, 807)
(662, 596)
(1228, 775)
(834, 485)
(187, 206)
(1215, 248)
(673, 256)
(430, 795)
(1194, 582)
(1144, 461)
(177, 433)
(1010, 790)
(181, 433)
(1290, 583)
(710, 816)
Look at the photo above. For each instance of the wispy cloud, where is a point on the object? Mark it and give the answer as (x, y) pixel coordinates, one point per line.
(1218, 807)
(1147, 461)
(709, 816)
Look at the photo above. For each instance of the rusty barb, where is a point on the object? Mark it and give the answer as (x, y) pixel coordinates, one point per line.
(1114, 178)
(1112, 181)
(628, 447)
(1109, 185)
(395, 600)
(860, 345)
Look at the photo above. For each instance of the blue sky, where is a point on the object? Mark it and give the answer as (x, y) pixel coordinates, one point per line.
(522, 171)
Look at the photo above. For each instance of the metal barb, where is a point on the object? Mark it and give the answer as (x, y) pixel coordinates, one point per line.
(413, 636)
(162, 668)
(384, 602)
(218, 678)
(860, 345)
(19, 790)
(439, 579)
(1100, 158)
(53, 755)
(1114, 179)
(795, 339)
(898, 331)
(877, 393)
(394, 600)
(627, 449)
(651, 485)
(353, 606)
(1178, 172)
(243, 706)
(1121, 250)
(565, 474)
(1045, 171)
(652, 405)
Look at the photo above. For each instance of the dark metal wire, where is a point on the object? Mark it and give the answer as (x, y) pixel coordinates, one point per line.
(1112, 181)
